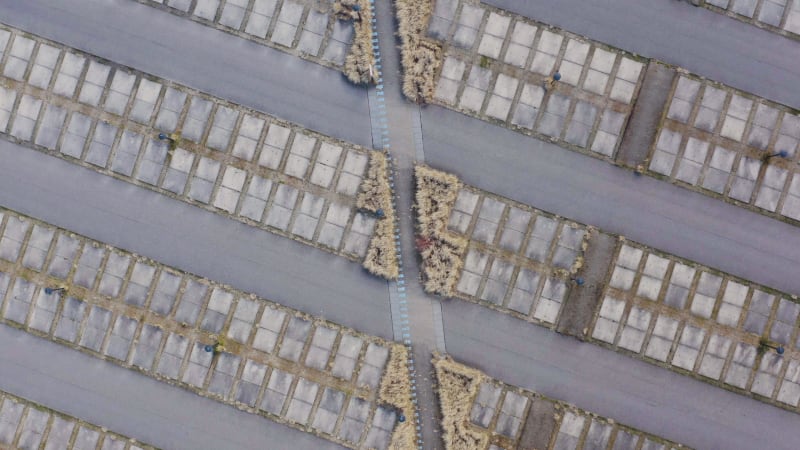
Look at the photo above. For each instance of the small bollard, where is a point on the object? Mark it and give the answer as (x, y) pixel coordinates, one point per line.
(166, 137)
(401, 418)
(778, 349)
(208, 348)
(579, 281)
(780, 154)
(380, 214)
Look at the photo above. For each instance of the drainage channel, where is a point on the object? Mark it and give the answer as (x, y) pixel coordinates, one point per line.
(397, 290)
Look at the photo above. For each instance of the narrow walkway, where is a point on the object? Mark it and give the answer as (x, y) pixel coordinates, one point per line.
(424, 312)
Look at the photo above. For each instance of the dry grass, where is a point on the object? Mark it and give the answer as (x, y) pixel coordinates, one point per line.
(360, 60)
(457, 387)
(436, 194)
(442, 252)
(579, 261)
(396, 390)
(381, 257)
(376, 194)
(420, 57)
(442, 264)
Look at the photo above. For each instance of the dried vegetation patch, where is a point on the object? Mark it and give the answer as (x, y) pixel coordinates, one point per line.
(457, 386)
(396, 390)
(375, 197)
(359, 64)
(442, 252)
(420, 57)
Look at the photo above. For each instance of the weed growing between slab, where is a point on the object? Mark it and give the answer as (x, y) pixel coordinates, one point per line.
(580, 259)
(375, 197)
(442, 252)
(396, 390)
(457, 386)
(359, 64)
(420, 57)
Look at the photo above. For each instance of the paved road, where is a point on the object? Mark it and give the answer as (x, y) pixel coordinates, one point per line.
(676, 32)
(632, 392)
(566, 183)
(424, 311)
(220, 64)
(132, 404)
(594, 192)
(183, 236)
(549, 177)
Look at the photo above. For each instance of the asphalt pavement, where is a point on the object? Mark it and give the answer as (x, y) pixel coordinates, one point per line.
(654, 213)
(198, 56)
(546, 176)
(189, 238)
(632, 392)
(588, 190)
(132, 404)
(702, 41)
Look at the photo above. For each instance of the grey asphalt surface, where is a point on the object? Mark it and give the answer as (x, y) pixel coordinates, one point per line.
(591, 191)
(201, 57)
(549, 177)
(132, 404)
(423, 310)
(633, 392)
(702, 41)
(189, 238)
(579, 187)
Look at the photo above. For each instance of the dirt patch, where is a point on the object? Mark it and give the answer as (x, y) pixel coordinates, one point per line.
(646, 115)
(539, 426)
(583, 300)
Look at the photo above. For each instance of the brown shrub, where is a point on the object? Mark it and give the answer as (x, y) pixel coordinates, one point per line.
(420, 57)
(396, 390)
(375, 194)
(436, 194)
(457, 387)
(360, 60)
(443, 252)
(442, 263)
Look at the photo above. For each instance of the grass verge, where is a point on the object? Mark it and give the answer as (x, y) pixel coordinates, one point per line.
(442, 252)
(457, 386)
(396, 390)
(420, 57)
(376, 195)
(359, 64)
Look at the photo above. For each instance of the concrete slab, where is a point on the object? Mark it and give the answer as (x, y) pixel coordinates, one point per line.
(330, 405)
